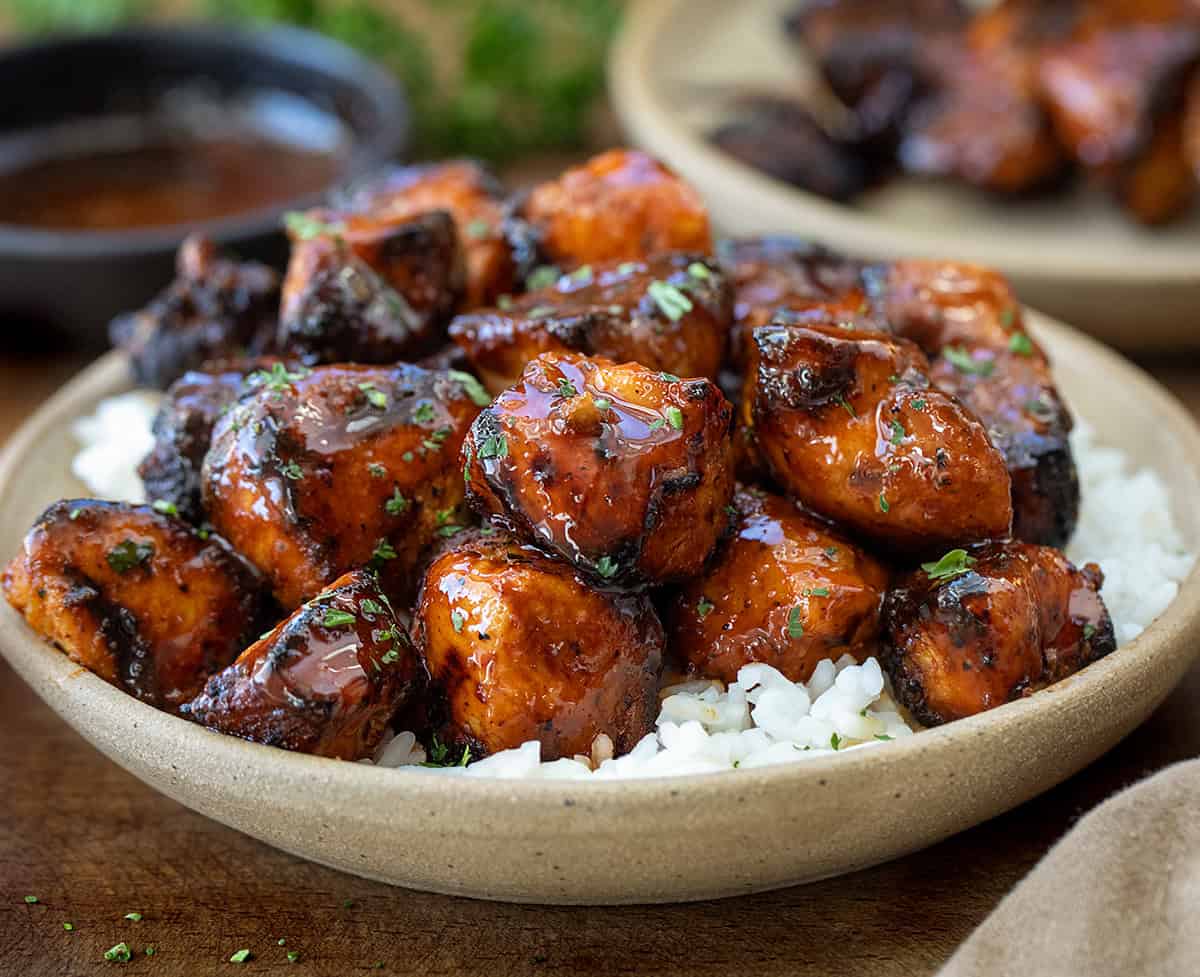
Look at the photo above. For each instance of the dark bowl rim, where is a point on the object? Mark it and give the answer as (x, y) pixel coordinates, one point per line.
(301, 47)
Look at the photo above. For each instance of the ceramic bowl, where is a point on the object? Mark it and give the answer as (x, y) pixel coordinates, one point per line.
(663, 840)
(677, 62)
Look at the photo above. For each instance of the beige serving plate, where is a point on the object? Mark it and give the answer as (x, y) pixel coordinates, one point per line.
(659, 840)
(673, 70)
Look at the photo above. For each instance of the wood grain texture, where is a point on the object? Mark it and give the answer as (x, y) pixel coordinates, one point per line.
(92, 843)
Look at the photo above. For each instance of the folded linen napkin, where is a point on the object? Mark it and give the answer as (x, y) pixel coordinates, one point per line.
(1119, 896)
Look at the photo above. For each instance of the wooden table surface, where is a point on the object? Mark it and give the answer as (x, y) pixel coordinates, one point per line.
(92, 844)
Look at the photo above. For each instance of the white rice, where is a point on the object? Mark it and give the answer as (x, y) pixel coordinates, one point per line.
(1125, 526)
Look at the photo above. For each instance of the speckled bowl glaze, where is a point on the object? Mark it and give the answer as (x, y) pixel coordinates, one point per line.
(677, 66)
(662, 840)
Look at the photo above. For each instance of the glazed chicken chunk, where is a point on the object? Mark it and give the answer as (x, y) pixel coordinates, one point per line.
(848, 424)
(623, 471)
(315, 472)
(471, 195)
(622, 205)
(215, 308)
(327, 680)
(522, 647)
(136, 597)
(787, 590)
(669, 312)
(367, 288)
(979, 628)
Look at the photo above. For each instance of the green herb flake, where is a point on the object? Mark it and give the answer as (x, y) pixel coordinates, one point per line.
(31, 900)
(367, 606)
(602, 403)
(119, 953)
(165, 508)
(884, 505)
(134, 917)
(1020, 344)
(390, 657)
(657, 424)
(670, 300)
(407, 456)
(375, 396)
(124, 557)
(396, 504)
(566, 388)
(675, 418)
(704, 607)
(541, 312)
(669, 377)
(69, 927)
(541, 277)
(74, 513)
(377, 470)
(1088, 631)
(817, 591)
(277, 379)
(457, 620)
(835, 741)
(291, 470)
(697, 269)
(582, 275)
(306, 227)
(917, 404)
(335, 618)
(474, 389)
(884, 736)
(383, 551)
(424, 412)
(293, 956)
(607, 567)
(951, 565)
(842, 402)
(898, 433)
(795, 626)
(1007, 317)
(964, 362)
(504, 302)
(628, 267)
(831, 552)
(478, 229)
(434, 441)
(495, 446)
(241, 956)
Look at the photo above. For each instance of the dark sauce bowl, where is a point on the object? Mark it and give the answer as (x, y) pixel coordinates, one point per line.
(57, 283)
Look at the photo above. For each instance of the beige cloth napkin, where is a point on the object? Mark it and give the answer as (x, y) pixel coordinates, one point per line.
(1119, 896)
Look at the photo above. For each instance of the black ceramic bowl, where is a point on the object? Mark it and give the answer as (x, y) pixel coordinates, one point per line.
(74, 282)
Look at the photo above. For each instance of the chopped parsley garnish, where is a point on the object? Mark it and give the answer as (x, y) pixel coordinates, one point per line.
(841, 401)
(1007, 316)
(627, 267)
(336, 619)
(1020, 344)
(390, 656)
(1088, 631)
(541, 277)
(278, 378)
(375, 396)
(606, 566)
(241, 956)
(377, 470)
(125, 556)
(504, 302)
(817, 591)
(424, 412)
(698, 269)
(495, 446)
(675, 418)
(670, 300)
(291, 470)
(407, 456)
(368, 606)
(31, 900)
(1039, 408)
(478, 229)
(669, 377)
(134, 917)
(396, 504)
(951, 565)
(602, 403)
(383, 551)
(307, 227)
(884, 505)
(831, 552)
(74, 513)
(566, 388)
(541, 311)
(898, 433)
(150, 951)
(434, 441)
(165, 508)
(795, 627)
(582, 274)
(119, 953)
(883, 736)
(447, 528)
(457, 620)
(917, 404)
(657, 423)
(835, 741)
(69, 927)
(293, 956)
(964, 362)
(704, 607)
(472, 386)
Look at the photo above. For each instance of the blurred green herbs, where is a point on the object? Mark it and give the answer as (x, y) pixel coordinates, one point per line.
(489, 78)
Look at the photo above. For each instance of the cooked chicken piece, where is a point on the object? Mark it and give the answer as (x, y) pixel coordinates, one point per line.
(523, 647)
(669, 312)
(970, 323)
(846, 422)
(623, 471)
(781, 272)
(139, 598)
(980, 628)
(1191, 125)
(787, 590)
(327, 680)
(316, 472)
(215, 308)
(622, 205)
(470, 194)
(183, 433)
(1159, 184)
(784, 139)
(365, 288)
(873, 53)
